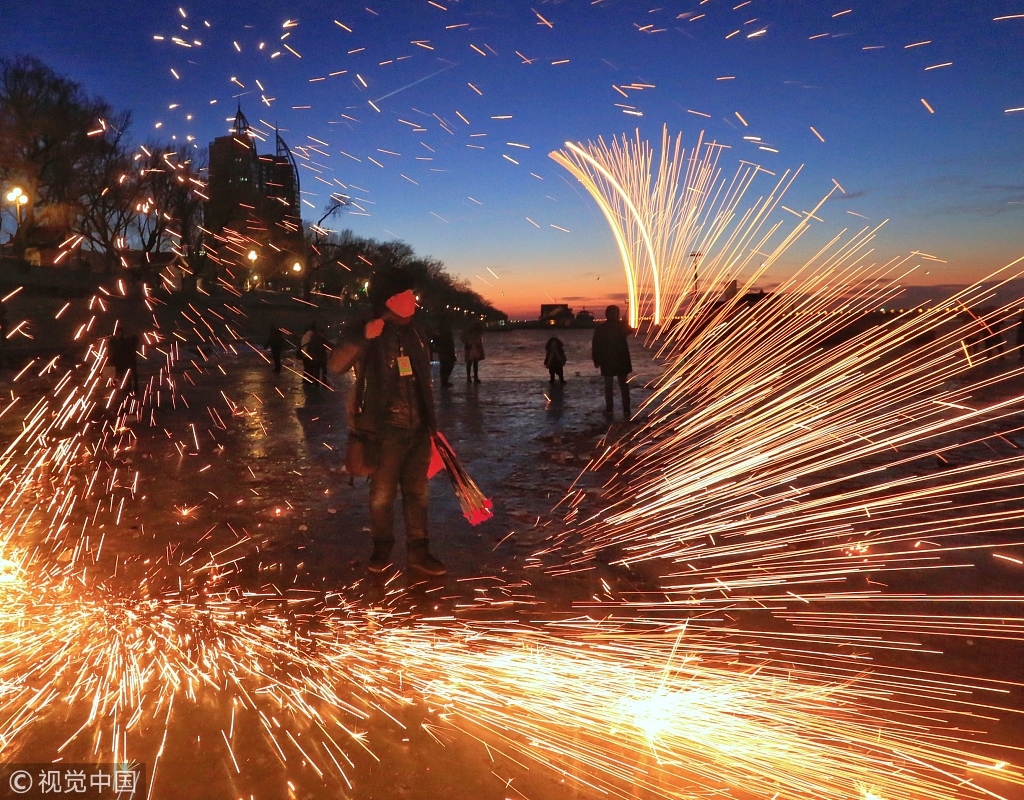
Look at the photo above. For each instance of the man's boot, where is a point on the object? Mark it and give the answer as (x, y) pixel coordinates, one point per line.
(421, 560)
(380, 559)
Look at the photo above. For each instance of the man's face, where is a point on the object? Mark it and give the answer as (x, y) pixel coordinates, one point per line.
(402, 305)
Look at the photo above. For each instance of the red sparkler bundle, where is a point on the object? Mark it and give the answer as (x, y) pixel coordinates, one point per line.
(475, 507)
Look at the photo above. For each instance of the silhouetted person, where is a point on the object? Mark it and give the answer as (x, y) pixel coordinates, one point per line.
(611, 356)
(974, 337)
(391, 415)
(444, 343)
(554, 359)
(124, 358)
(307, 360)
(473, 339)
(314, 350)
(3, 336)
(993, 343)
(275, 344)
(320, 350)
(1020, 338)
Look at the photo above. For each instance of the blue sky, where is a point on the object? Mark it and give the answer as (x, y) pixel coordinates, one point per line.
(950, 182)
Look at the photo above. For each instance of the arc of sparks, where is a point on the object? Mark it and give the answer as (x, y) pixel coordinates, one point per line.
(644, 232)
(712, 711)
(659, 213)
(613, 223)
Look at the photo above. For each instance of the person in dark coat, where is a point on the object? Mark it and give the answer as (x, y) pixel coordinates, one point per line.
(993, 343)
(611, 356)
(319, 349)
(3, 336)
(391, 410)
(554, 359)
(275, 344)
(444, 343)
(1020, 338)
(124, 358)
(305, 355)
(473, 339)
(314, 350)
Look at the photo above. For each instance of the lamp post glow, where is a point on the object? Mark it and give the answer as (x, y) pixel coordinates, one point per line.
(296, 267)
(253, 281)
(19, 200)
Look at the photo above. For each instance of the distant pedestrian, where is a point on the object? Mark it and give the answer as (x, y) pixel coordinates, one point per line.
(444, 344)
(1020, 338)
(554, 359)
(303, 353)
(314, 351)
(275, 344)
(992, 342)
(319, 348)
(3, 336)
(611, 356)
(473, 339)
(974, 336)
(391, 418)
(124, 348)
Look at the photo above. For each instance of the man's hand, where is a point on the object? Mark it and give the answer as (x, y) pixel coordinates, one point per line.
(374, 328)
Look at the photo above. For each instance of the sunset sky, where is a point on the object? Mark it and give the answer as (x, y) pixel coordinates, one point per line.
(494, 83)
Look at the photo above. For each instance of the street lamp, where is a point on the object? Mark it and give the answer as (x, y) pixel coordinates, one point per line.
(296, 267)
(19, 200)
(253, 280)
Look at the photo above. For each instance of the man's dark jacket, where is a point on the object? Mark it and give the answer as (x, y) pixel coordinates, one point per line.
(611, 350)
(366, 404)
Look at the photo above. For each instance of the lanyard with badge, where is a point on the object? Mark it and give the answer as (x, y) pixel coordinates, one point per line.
(404, 363)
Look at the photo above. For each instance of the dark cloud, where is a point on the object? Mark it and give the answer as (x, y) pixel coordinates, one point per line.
(1013, 204)
(975, 199)
(595, 298)
(1011, 188)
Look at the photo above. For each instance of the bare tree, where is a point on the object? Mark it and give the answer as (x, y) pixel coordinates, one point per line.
(168, 201)
(107, 196)
(50, 133)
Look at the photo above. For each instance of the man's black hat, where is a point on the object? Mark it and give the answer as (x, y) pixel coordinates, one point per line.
(387, 283)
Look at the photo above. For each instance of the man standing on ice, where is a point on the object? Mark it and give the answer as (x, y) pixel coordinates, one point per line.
(611, 356)
(391, 418)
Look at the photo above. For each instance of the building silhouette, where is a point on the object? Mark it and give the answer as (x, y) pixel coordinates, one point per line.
(584, 319)
(556, 314)
(253, 213)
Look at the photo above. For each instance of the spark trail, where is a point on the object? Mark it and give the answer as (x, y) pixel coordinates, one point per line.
(724, 481)
(607, 707)
(758, 463)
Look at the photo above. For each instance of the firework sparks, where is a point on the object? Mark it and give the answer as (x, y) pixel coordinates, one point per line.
(760, 398)
(726, 482)
(600, 704)
(606, 707)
